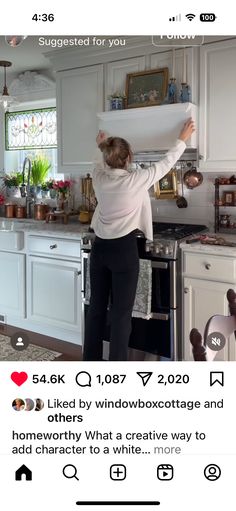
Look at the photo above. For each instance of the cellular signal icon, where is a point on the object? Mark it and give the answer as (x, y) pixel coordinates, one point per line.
(175, 18)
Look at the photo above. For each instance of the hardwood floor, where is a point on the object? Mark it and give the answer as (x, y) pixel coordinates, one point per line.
(69, 352)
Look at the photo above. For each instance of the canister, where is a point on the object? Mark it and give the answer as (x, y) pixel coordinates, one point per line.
(9, 210)
(20, 211)
(40, 211)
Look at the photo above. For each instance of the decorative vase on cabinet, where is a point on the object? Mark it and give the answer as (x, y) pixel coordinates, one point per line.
(116, 104)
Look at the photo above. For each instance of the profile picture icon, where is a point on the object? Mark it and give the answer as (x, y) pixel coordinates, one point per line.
(18, 404)
(29, 404)
(39, 404)
(19, 342)
(212, 472)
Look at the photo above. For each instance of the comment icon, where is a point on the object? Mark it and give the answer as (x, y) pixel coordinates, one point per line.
(83, 379)
(70, 472)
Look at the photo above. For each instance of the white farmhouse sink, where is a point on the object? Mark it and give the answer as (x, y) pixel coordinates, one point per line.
(11, 235)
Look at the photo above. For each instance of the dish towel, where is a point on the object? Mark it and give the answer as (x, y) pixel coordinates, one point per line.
(143, 298)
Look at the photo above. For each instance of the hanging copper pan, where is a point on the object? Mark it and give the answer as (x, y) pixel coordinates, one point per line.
(193, 178)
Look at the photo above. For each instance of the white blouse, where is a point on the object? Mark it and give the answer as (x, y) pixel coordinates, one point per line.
(123, 200)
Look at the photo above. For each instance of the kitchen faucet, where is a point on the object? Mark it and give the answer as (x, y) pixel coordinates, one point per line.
(25, 189)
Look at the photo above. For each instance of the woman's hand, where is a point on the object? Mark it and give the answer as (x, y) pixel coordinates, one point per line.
(101, 136)
(187, 130)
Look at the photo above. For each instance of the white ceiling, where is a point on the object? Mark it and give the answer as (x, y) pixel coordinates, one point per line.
(26, 57)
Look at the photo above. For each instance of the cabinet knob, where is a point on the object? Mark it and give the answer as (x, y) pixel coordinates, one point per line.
(186, 290)
(208, 266)
(53, 246)
(78, 273)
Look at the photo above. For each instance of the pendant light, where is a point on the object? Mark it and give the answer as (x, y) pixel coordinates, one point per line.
(5, 99)
(15, 40)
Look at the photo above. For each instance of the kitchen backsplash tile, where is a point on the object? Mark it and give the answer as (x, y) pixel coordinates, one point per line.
(200, 202)
(200, 205)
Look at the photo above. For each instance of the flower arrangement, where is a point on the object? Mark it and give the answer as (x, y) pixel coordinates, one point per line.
(2, 199)
(62, 187)
(12, 180)
(117, 95)
(50, 184)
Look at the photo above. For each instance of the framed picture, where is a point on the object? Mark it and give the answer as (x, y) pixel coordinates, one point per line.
(147, 88)
(228, 198)
(166, 188)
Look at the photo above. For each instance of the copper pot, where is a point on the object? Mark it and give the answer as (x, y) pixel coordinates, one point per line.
(9, 210)
(40, 211)
(20, 211)
(193, 178)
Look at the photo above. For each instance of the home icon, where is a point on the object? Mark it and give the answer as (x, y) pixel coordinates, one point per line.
(23, 471)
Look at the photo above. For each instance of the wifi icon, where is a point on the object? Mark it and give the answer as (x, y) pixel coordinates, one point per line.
(190, 17)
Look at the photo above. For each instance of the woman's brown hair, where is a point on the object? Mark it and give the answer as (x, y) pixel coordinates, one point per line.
(116, 152)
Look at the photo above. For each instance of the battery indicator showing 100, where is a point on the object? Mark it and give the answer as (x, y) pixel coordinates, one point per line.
(207, 16)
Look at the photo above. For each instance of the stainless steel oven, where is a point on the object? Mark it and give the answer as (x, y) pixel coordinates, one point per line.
(158, 338)
(158, 335)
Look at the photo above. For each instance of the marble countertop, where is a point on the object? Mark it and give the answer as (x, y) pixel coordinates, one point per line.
(212, 249)
(74, 229)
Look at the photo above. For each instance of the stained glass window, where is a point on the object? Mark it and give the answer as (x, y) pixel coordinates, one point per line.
(31, 129)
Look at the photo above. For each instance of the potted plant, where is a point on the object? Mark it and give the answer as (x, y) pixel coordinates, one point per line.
(117, 100)
(39, 172)
(45, 190)
(49, 184)
(12, 183)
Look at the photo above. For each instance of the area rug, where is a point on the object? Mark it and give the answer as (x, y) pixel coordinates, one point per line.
(33, 352)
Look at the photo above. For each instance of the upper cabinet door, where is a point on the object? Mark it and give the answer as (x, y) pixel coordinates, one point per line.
(79, 98)
(217, 130)
(116, 74)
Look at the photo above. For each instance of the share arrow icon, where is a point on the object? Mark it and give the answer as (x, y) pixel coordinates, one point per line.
(145, 377)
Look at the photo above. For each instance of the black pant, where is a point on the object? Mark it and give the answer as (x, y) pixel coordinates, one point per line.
(114, 268)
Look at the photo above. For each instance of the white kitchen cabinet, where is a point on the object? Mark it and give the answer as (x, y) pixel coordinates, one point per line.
(54, 293)
(217, 127)
(208, 273)
(116, 72)
(79, 98)
(203, 299)
(62, 248)
(12, 279)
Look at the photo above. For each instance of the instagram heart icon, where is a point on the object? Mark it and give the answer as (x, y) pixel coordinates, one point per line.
(19, 378)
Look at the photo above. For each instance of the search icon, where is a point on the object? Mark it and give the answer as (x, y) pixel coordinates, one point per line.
(70, 471)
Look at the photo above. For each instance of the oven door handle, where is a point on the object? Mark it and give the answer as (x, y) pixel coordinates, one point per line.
(84, 256)
(160, 264)
(160, 316)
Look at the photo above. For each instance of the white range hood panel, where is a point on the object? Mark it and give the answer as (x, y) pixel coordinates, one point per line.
(153, 128)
